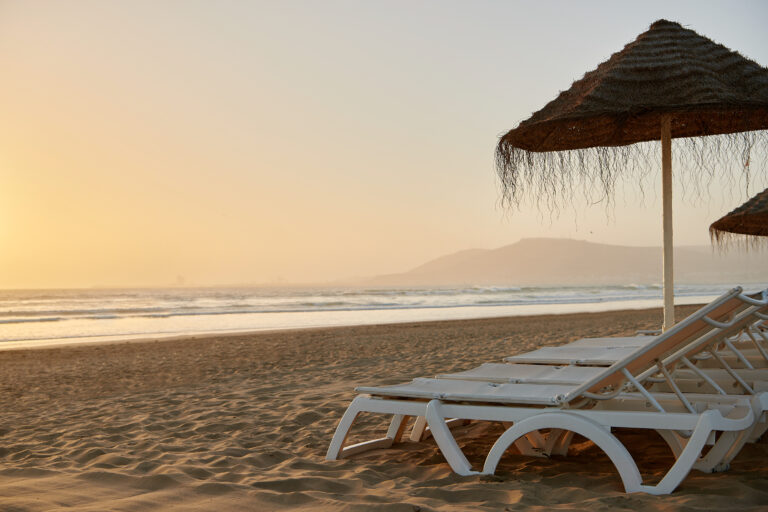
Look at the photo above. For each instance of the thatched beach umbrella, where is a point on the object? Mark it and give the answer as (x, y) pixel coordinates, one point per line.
(750, 219)
(670, 82)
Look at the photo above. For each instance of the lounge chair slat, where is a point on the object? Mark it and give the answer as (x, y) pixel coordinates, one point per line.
(566, 354)
(473, 391)
(522, 373)
(616, 341)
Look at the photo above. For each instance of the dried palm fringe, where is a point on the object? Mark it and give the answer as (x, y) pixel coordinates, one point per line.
(551, 181)
(724, 241)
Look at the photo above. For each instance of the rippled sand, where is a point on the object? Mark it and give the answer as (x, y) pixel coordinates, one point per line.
(243, 422)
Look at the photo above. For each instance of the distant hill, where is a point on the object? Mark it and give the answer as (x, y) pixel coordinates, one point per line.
(556, 261)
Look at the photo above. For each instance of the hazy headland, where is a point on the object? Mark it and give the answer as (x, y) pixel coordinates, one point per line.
(555, 261)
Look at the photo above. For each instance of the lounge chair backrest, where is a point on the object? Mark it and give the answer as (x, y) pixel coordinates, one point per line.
(741, 320)
(724, 316)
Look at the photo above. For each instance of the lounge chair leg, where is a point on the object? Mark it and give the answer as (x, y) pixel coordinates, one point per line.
(525, 447)
(593, 431)
(337, 450)
(417, 432)
(397, 427)
(421, 431)
(758, 431)
(730, 444)
(719, 457)
(675, 442)
(536, 444)
(532, 444)
(342, 430)
(558, 442)
(687, 457)
(760, 406)
(445, 441)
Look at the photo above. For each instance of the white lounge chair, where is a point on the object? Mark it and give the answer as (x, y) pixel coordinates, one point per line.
(753, 337)
(749, 347)
(735, 365)
(739, 359)
(589, 404)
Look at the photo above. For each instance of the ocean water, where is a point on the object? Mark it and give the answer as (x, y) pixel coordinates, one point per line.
(46, 317)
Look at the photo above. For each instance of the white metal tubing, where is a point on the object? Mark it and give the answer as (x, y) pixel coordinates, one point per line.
(666, 187)
(675, 388)
(757, 344)
(642, 390)
(737, 323)
(703, 375)
(680, 326)
(715, 323)
(739, 355)
(733, 373)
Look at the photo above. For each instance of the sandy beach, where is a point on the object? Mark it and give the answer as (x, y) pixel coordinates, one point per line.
(243, 422)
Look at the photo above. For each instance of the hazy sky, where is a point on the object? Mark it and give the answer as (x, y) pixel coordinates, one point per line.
(247, 142)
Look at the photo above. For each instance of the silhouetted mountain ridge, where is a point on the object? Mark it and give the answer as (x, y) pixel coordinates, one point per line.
(559, 261)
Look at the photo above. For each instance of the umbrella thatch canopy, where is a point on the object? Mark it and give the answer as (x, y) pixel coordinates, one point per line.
(668, 70)
(668, 83)
(749, 219)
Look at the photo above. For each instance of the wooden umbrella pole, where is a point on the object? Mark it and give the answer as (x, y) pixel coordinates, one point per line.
(666, 187)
